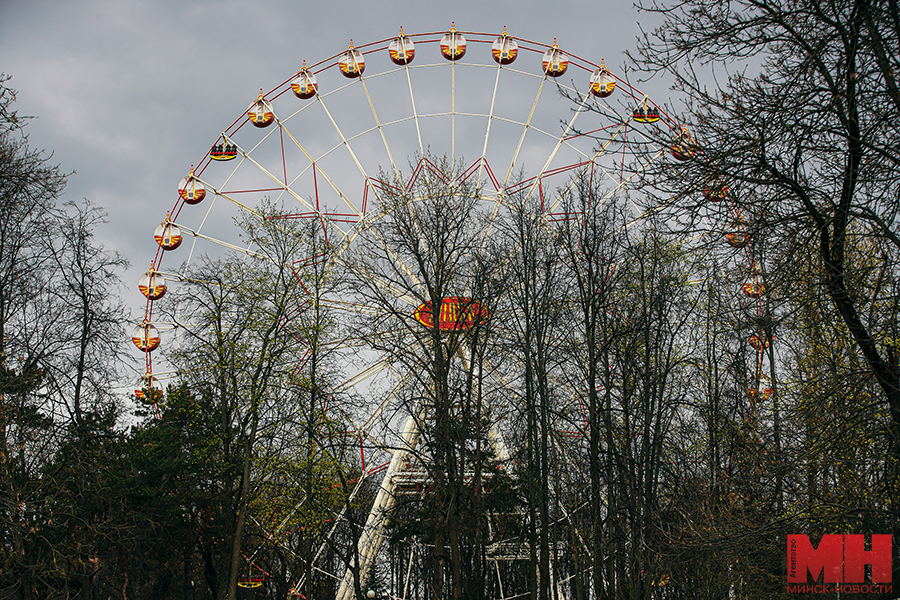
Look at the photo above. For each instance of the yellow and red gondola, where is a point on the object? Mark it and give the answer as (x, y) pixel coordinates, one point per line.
(738, 236)
(554, 62)
(352, 63)
(683, 147)
(645, 113)
(191, 189)
(168, 235)
(223, 152)
(754, 286)
(453, 44)
(148, 389)
(152, 284)
(260, 112)
(145, 337)
(304, 84)
(401, 49)
(504, 49)
(602, 82)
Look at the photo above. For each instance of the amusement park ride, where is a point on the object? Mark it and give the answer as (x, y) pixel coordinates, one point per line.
(319, 139)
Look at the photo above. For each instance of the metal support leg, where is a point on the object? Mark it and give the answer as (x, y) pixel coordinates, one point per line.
(373, 532)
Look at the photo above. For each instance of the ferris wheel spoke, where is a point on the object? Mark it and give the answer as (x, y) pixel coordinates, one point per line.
(402, 269)
(381, 282)
(327, 541)
(621, 186)
(453, 113)
(314, 164)
(556, 148)
(401, 384)
(645, 214)
(363, 375)
(218, 242)
(194, 242)
(487, 131)
(590, 160)
(263, 139)
(387, 147)
(359, 431)
(525, 127)
(346, 143)
(351, 307)
(583, 170)
(283, 185)
(312, 161)
(566, 514)
(415, 115)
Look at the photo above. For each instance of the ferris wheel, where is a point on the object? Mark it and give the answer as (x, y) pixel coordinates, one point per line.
(519, 116)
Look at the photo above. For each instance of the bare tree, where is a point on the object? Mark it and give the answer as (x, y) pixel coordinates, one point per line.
(628, 351)
(536, 317)
(246, 327)
(802, 129)
(419, 267)
(82, 372)
(60, 325)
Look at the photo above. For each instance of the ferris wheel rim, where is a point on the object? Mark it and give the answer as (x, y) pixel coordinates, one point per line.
(365, 218)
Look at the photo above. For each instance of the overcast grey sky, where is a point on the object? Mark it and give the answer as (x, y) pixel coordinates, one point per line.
(129, 94)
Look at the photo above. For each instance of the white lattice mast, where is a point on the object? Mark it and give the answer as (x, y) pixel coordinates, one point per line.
(372, 536)
(373, 532)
